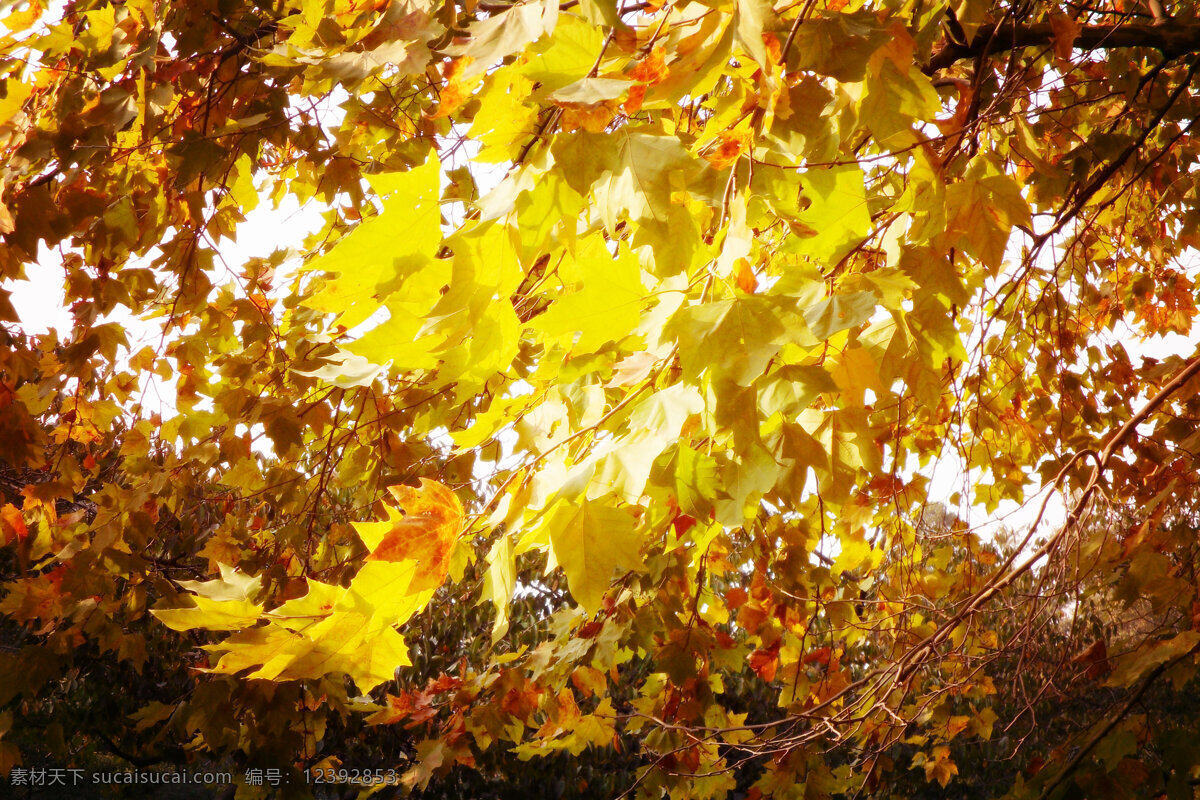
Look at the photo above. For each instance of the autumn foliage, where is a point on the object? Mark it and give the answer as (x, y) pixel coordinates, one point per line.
(642, 415)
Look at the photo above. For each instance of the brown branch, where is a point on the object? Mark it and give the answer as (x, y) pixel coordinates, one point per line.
(1171, 40)
(898, 673)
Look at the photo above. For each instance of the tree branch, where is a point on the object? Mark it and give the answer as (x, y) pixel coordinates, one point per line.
(1171, 40)
(1069, 769)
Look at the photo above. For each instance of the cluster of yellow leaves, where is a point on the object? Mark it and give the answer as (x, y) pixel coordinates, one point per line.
(330, 629)
(707, 313)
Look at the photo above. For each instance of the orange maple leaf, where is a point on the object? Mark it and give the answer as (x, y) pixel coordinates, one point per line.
(591, 117)
(432, 521)
(746, 280)
(12, 524)
(457, 89)
(652, 69)
(765, 662)
(633, 103)
(732, 145)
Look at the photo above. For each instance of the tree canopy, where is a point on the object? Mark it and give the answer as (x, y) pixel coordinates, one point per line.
(595, 427)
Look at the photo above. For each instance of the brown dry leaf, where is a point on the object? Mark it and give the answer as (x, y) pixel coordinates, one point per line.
(1066, 30)
(432, 521)
(1096, 659)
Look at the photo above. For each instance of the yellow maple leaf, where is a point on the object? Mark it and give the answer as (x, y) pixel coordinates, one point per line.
(940, 768)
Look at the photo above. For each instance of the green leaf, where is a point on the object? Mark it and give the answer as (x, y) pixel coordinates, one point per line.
(567, 56)
(840, 312)
(746, 333)
(1116, 746)
(837, 44)
(695, 480)
(588, 91)
(838, 218)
